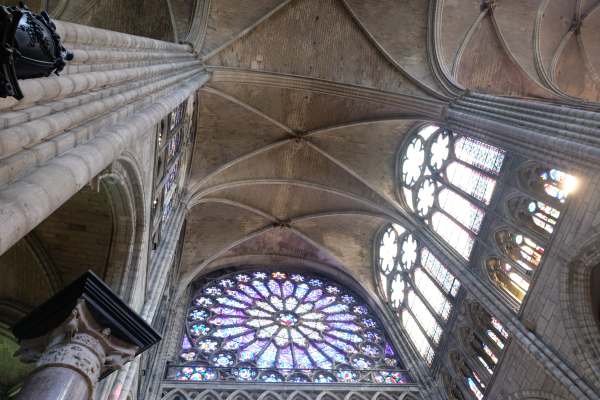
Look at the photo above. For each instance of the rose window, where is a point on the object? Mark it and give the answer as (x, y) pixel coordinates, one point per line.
(280, 327)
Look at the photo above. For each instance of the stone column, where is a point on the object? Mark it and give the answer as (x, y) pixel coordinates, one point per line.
(99, 335)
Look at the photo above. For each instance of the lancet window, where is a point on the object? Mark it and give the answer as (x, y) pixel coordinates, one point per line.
(173, 134)
(536, 216)
(416, 285)
(448, 180)
(263, 326)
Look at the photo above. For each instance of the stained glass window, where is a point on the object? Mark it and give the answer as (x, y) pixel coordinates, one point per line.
(419, 288)
(543, 215)
(285, 327)
(558, 184)
(448, 180)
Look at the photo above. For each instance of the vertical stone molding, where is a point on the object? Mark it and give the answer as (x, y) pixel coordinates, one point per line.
(99, 335)
(536, 129)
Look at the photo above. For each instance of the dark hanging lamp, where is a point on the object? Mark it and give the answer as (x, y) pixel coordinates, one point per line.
(29, 48)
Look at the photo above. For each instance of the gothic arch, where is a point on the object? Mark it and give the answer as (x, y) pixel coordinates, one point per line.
(123, 183)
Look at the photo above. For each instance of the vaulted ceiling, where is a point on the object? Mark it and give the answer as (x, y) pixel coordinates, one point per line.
(300, 123)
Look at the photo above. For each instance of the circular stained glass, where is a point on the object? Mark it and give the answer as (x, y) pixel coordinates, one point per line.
(425, 197)
(414, 159)
(409, 252)
(440, 151)
(268, 326)
(388, 250)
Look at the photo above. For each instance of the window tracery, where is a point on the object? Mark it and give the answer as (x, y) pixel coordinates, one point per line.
(449, 180)
(417, 286)
(173, 134)
(284, 327)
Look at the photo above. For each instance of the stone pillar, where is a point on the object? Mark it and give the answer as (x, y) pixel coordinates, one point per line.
(99, 335)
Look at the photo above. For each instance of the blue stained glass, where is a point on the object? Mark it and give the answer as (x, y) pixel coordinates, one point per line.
(324, 301)
(185, 343)
(389, 350)
(346, 326)
(276, 320)
(232, 312)
(227, 283)
(239, 296)
(204, 301)
(249, 291)
(258, 313)
(391, 378)
(259, 323)
(260, 275)
(320, 360)
(361, 310)
(222, 360)
(230, 302)
(228, 332)
(267, 358)
(362, 362)
(224, 321)
(265, 306)
(235, 343)
(188, 356)
(304, 308)
(245, 374)
(319, 326)
(331, 352)
(285, 359)
(341, 317)
(267, 332)
(344, 346)
(251, 351)
(207, 345)
(277, 303)
(282, 337)
(298, 378)
(369, 323)
(314, 295)
(261, 288)
(302, 359)
(212, 291)
(301, 291)
(336, 308)
(200, 330)
(274, 288)
(346, 376)
(271, 377)
(373, 337)
(199, 315)
(333, 290)
(350, 337)
(310, 333)
(287, 288)
(290, 303)
(323, 377)
(348, 299)
(371, 350)
(243, 278)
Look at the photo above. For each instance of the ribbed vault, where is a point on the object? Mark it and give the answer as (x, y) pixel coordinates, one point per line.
(298, 130)
(537, 48)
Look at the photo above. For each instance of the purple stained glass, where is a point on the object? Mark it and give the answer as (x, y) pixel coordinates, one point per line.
(281, 321)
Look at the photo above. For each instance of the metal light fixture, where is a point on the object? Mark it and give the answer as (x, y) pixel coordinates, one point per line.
(29, 48)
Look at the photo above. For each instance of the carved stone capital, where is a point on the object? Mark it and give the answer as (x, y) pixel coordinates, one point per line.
(80, 344)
